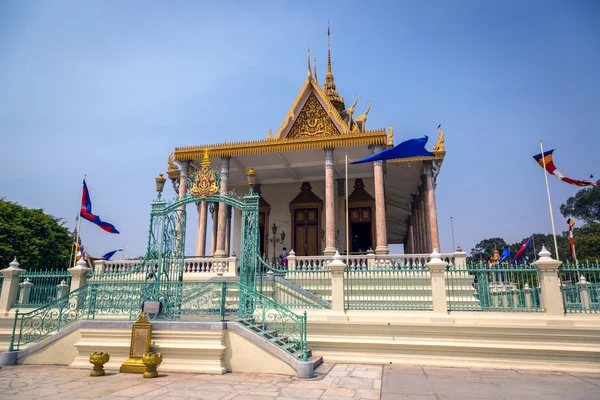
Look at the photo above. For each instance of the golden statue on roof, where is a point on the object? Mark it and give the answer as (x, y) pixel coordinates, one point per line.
(440, 141)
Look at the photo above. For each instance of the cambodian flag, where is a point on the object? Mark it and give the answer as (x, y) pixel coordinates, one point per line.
(522, 250)
(86, 212)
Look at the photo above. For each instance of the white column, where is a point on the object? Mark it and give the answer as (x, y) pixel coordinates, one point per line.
(78, 275)
(25, 290)
(337, 268)
(329, 204)
(380, 218)
(551, 294)
(437, 268)
(201, 234)
(10, 286)
(221, 230)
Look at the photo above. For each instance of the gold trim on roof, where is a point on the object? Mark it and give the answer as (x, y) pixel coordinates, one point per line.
(312, 121)
(375, 137)
(439, 155)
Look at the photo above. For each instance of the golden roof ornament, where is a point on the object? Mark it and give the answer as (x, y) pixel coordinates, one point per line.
(315, 70)
(440, 141)
(172, 168)
(308, 58)
(363, 117)
(350, 110)
(270, 135)
(204, 183)
(390, 139)
(329, 85)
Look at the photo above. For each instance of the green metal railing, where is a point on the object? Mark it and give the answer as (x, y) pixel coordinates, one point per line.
(481, 287)
(192, 301)
(391, 287)
(580, 285)
(307, 287)
(44, 287)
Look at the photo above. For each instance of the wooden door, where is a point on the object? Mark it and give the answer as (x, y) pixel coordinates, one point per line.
(306, 232)
(361, 232)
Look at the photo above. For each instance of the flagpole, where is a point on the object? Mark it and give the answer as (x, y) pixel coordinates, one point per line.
(347, 211)
(452, 227)
(78, 227)
(549, 202)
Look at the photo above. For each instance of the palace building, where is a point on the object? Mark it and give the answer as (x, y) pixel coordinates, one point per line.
(301, 179)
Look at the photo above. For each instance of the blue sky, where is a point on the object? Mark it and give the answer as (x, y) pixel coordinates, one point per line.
(108, 88)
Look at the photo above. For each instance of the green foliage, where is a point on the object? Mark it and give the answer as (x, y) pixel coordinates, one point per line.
(38, 240)
(584, 205)
(485, 249)
(587, 241)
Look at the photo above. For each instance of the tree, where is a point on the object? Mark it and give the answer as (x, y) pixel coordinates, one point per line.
(587, 241)
(585, 205)
(485, 249)
(38, 240)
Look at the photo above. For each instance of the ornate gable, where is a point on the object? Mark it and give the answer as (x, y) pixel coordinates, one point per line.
(312, 121)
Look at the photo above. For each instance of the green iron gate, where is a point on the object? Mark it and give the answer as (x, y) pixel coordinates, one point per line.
(164, 262)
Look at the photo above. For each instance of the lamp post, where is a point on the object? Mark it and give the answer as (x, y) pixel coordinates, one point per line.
(275, 240)
(160, 184)
(251, 175)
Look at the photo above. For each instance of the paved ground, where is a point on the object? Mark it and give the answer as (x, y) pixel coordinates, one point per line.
(341, 381)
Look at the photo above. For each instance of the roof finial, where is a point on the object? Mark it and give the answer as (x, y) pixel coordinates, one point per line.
(315, 70)
(328, 49)
(308, 62)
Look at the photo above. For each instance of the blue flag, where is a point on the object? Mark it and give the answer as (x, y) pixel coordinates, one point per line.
(108, 255)
(505, 255)
(407, 149)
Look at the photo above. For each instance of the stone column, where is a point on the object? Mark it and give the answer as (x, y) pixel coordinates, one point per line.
(292, 260)
(215, 225)
(437, 268)
(78, 275)
(551, 294)
(424, 230)
(228, 232)
(221, 229)
(201, 235)
(341, 211)
(180, 226)
(411, 243)
(460, 259)
(62, 289)
(10, 286)
(329, 205)
(380, 220)
(426, 216)
(431, 206)
(337, 268)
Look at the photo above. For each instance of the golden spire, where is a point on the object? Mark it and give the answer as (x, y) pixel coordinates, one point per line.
(309, 62)
(205, 160)
(329, 85)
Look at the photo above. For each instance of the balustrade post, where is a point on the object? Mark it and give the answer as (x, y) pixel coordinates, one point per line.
(25, 291)
(437, 269)
(583, 292)
(78, 275)
(527, 295)
(291, 261)
(460, 259)
(99, 266)
(338, 286)
(231, 266)
(63, 289)
(9, 286)
(371, 260)
(551, 294)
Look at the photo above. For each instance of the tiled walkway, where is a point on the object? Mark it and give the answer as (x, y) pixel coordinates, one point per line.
(341, 381)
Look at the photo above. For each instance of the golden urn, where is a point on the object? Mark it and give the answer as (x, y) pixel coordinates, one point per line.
(98, 359)
(151, 361)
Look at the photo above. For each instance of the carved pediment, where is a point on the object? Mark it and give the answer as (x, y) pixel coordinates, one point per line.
(312, 121)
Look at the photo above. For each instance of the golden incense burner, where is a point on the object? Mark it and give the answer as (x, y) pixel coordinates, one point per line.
(151, 361)
(98, 359)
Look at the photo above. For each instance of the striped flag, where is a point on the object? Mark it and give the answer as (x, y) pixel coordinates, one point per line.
(571, 239)
(545, 160)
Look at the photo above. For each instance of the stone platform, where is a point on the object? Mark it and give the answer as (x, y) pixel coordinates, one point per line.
(341, 381)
